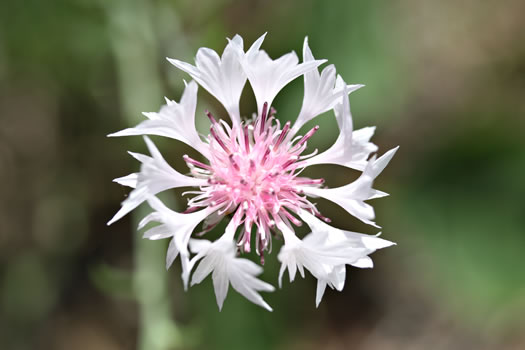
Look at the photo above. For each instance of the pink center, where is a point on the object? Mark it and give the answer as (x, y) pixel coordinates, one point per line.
(253, 171)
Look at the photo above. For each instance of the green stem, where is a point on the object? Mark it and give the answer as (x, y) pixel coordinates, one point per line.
(135, 50)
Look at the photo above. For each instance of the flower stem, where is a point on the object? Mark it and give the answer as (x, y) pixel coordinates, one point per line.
(135, 51)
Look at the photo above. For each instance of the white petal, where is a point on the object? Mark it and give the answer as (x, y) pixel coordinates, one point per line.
(198, 245)
(321, 287)
(220, 284)
(155, 176)
(373, 242)
(172, 253)
(352, 148)
(319, 259)
(219, 259)
(320, 91)
(338, 276)
(267, 77)
(382, 162)
(223, 77)
(176, 225)
(326, 251)
(364, 263)
(158, 232)
(348, 197)
(205, 267)
(378, 194)
(351, 197)
(174, 120)
(128, 180)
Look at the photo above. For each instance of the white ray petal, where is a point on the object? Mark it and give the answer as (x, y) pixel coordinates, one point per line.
(155, 176)
(321, 93)
(218, 258)
(325, 252)
(351, 197)
(316, 254)
(172, 253)
(176, 225)
(223, 77)
(267, 76)
(352, 148)
(128, 180)
(174, 120)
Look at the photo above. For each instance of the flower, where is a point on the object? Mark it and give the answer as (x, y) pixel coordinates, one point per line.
(250, 171)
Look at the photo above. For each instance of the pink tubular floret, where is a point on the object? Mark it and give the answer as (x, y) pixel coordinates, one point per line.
(253, 172)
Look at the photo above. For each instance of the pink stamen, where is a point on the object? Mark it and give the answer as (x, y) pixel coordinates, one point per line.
(290, 162)
(263, 117)
(292, 218)
(322, 217)
(308, 135)
(212, 118)
(219, 140)
(265, 156)
(187, 159)
(273, 111)
(246, 140)
(234, 164)
(190, 210)
(306, 181)
(283, 134)
(258, 180)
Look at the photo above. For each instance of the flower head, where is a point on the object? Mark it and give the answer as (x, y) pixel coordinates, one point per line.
(250, 172)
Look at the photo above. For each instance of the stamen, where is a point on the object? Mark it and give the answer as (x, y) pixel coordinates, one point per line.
(292, 218)
(244, 242)
(263, 117)
(292, 160)
(265, 156)
(212, 118)
(306, 181)
(190, 210)
(187, 159)
(246, 140)
(233, 162)
(283, 134)
(273, 111)
(218, 139)
(308, 135)
(322, 217)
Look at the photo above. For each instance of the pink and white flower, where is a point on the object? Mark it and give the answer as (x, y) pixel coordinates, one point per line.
(250, 172)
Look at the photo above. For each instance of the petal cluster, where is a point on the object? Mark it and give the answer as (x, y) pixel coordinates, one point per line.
(250, 175)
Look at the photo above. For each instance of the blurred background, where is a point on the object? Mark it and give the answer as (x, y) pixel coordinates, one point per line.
(445, 80)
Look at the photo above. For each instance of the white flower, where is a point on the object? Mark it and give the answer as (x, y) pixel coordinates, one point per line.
(219, 258)
(155, 176)
(176, 225)
(352, 148)
(326, 235)
(321, 93)
(352, 197)
(252, 175)
(223, 77)
(174, 120)
(267, 77)
(325, 252)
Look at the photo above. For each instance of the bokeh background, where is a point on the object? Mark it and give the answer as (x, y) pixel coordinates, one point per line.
(445, 81)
